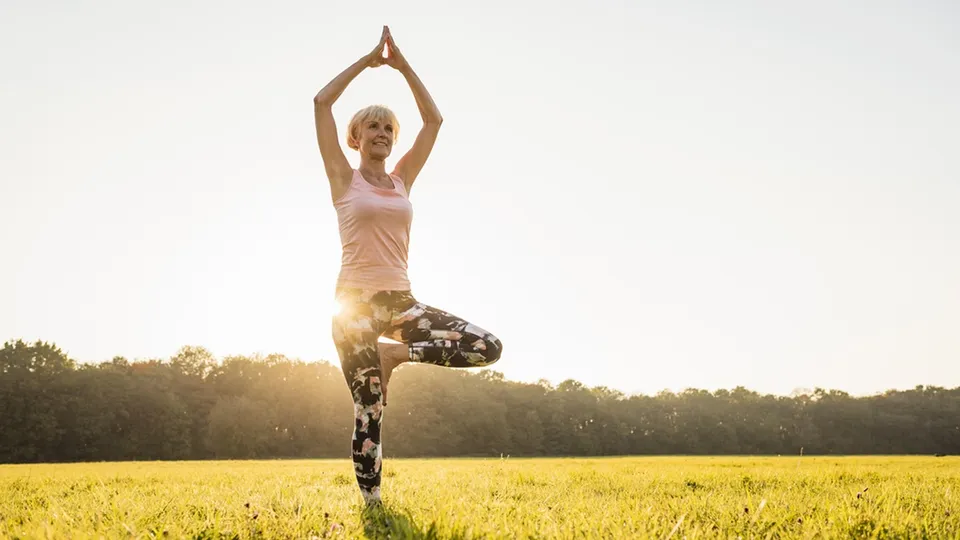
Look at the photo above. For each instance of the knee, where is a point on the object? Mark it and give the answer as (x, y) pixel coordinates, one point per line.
(482, 352)
(492, 350)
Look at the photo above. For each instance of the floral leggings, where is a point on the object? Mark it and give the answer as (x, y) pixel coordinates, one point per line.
(434, 337)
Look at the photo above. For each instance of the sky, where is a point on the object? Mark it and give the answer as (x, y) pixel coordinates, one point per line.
(645, 196)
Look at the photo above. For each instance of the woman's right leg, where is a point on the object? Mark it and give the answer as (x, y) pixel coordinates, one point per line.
(355, 333)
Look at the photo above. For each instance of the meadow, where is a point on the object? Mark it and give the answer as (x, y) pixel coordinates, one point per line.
(620, 497)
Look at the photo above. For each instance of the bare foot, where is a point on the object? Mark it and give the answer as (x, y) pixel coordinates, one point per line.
(391, 356)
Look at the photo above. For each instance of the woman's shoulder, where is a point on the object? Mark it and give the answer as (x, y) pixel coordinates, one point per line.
(345, 186)
(399, 184)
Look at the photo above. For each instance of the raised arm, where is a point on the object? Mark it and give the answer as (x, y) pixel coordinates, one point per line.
(409, 166)
(335, 162)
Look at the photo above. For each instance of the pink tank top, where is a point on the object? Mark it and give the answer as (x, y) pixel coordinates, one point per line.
(375, 235)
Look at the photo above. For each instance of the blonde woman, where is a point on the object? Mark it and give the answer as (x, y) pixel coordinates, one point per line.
(375, 213)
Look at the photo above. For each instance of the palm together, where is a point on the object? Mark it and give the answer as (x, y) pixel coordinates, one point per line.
(393, 59)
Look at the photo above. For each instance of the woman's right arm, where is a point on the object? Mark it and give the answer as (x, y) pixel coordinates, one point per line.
(337, 167)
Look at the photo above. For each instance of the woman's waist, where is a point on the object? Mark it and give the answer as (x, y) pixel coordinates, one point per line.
(374, 276)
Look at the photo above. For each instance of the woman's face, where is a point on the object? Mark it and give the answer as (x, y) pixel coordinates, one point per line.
(376, 138)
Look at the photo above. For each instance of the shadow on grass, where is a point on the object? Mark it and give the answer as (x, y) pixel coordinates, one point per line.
(388, 521)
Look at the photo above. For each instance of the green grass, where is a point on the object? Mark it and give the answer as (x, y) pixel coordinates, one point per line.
(688, 497)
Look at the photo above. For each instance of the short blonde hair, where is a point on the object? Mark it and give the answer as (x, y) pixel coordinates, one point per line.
(380, 113)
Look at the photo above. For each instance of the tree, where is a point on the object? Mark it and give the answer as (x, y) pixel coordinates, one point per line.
(41, 357)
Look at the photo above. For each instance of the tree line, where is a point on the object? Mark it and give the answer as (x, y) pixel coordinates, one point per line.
(193, 406)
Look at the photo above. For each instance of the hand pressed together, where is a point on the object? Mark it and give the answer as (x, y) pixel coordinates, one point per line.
(394, 57)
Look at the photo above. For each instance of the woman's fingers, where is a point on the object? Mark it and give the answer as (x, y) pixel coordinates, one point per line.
(394, 56)
(383, 40)
(391, 43)
(376, 55)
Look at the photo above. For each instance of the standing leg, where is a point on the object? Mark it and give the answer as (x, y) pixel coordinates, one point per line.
(355, 333)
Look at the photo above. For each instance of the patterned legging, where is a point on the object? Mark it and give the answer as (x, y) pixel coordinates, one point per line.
(434, 337)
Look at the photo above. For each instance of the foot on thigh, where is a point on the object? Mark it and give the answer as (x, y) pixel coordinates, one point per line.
(391, 356)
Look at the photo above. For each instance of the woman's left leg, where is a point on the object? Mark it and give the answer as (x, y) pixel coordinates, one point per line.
(436, 337)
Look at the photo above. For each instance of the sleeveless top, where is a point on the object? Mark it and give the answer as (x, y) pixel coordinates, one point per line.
(374, 234)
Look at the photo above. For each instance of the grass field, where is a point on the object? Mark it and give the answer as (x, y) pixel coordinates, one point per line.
(657, 497)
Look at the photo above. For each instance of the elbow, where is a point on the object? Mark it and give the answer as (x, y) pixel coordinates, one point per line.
(320, 100)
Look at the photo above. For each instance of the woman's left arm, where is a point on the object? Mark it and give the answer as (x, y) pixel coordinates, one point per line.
(412, 162)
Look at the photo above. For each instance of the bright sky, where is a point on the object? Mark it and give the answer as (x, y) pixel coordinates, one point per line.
(644, 196)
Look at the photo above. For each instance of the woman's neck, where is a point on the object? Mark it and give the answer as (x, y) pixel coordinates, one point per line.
(373, 166)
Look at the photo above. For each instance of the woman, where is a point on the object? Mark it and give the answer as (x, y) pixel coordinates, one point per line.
(373, 291)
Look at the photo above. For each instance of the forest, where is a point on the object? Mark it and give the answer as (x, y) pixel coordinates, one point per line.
(195, 406)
